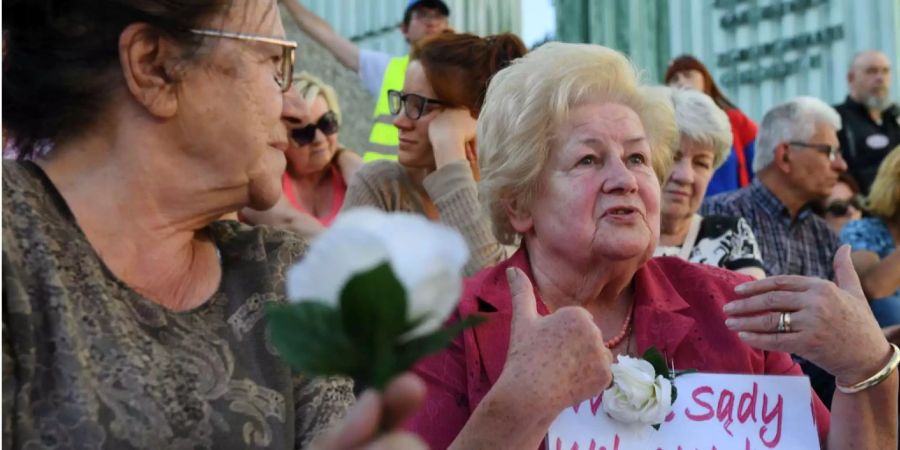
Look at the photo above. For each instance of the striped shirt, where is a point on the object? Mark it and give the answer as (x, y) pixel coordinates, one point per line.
(801, 246)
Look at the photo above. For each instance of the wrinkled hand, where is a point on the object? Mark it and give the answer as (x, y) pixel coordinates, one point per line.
(450, 133)
(553, 361)
(831, 324)
(374, 412)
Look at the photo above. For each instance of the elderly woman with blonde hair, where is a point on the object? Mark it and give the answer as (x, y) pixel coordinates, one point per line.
(319, 169)
(572, 166)
(703, 145)
(875, 240)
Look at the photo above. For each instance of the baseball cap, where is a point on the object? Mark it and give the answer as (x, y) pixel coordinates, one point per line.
(435, 4)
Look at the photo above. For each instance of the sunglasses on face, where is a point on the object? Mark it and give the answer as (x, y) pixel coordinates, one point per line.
(328, 123)
(841, 208)
(413, 104)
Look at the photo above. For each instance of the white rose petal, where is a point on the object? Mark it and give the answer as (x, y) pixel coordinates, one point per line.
(637, 394)
(426, 257)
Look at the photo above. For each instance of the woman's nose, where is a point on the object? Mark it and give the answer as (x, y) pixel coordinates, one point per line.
(618, 177)
(402, 122)
(682, 173)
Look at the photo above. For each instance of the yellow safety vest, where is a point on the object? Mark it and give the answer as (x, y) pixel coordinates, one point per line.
(384, 138)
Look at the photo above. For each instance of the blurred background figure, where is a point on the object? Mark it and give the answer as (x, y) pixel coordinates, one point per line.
(436, 171)
(874, 240)
(687, 72)
(870, 118)
(703, 145)
(318, 168)
(843, 205)
(378, 71)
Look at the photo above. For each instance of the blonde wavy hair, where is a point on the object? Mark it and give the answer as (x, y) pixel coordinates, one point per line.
(526, 104)
(884, 194)
(309, 86)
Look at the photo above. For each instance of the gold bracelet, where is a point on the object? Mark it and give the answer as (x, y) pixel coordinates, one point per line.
(882, 375)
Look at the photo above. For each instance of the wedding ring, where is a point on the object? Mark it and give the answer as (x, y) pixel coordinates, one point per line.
(784, 322)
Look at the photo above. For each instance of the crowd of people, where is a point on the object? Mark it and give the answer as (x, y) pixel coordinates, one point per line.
(150, 214)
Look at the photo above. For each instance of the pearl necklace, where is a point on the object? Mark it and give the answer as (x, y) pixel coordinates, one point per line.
(626, 329)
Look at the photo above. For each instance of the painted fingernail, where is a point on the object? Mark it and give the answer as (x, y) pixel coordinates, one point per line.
(729, 307)
(740, 288)
(730, 323)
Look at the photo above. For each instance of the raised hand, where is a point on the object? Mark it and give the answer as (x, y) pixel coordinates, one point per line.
(831, 324)
(450, 133)
(553, 361)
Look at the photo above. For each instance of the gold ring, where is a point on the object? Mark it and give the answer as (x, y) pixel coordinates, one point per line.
(786, 319)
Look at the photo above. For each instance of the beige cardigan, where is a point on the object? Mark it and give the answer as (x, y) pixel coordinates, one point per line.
(387, 186)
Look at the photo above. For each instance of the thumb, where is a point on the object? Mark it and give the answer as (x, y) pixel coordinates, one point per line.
(845, 274)
(524, 305)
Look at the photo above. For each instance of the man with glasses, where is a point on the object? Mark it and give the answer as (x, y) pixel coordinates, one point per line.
(797, 163)
(871, 120)
(378, 71)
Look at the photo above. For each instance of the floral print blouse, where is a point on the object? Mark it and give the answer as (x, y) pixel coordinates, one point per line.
(88, 363)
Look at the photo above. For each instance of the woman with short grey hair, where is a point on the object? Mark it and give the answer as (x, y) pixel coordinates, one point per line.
(703, 146)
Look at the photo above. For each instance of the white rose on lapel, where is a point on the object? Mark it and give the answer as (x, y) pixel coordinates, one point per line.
(638, 394)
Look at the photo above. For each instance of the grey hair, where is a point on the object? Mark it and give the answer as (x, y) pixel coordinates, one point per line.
(700, 120)
(793, 120)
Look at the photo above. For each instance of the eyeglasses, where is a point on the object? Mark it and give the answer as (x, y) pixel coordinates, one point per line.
(841, 208)
(832, 152)
(285, 75)
(413, 104)
(328, 123)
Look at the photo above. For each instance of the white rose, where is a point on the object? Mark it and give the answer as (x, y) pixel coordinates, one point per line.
(426, 257)
(637, 394)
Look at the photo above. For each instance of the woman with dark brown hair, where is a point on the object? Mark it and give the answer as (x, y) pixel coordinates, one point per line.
(687, 72)
(436, 171)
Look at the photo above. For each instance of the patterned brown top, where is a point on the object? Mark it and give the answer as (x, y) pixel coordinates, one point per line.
(89, 363)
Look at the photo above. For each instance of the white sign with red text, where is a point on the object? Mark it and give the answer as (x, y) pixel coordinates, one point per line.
(712, 412)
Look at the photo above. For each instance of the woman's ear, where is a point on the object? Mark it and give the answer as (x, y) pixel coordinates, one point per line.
(519, 217)
(149, 61)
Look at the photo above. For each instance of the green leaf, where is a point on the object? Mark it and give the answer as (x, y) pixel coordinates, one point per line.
(373, 307)
(655, 427)
(674, 393)
(416, 349)
(308, 335)
(655, 358)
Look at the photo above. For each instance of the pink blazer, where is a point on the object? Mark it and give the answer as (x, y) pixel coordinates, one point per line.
(678, 309)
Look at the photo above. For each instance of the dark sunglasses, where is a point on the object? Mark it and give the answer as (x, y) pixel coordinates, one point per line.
(413, 104)
(328, 123)
(841, 208)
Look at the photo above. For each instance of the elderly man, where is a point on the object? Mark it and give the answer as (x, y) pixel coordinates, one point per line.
(871, 127)
(797, 162)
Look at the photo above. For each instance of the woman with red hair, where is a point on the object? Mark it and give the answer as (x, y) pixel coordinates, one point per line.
(687, 72)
